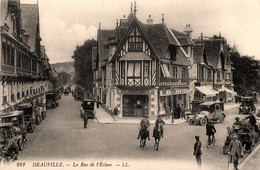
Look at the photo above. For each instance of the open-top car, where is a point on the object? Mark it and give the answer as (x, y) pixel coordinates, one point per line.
(213, 110)
(17, 120)
(247, 105)
(88, 106)
(29, 115)
(11, 141)
(52, 100)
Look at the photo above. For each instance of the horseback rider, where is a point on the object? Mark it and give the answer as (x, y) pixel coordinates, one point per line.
(210, 130)
(158, 122)
(144, 122)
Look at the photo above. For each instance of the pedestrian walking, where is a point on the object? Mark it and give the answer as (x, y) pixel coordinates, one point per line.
(235, 150)
(182, 112)
(197, 150)
(115, 113)
(167, 112)
(85, 117)
(173, 112)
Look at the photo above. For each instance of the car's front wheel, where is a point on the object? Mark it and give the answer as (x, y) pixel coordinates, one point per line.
(190, 121)
(203, 121)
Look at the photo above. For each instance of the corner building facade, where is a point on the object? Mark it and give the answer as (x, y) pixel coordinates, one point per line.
(142, 68)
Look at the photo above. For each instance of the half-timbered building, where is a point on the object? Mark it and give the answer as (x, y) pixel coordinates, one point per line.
(142, 67)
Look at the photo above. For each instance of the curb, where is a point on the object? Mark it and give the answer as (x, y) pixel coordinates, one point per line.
(249, 157)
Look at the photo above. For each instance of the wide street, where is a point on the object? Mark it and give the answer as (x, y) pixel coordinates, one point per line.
(61, 136)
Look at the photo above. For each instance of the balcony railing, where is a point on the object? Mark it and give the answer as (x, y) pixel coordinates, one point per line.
(173, 82)
(7, 69)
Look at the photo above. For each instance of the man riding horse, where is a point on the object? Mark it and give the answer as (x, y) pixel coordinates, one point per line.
(146, 123)
(158, 124)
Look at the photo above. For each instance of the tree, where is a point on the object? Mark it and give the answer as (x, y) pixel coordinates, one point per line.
(245, 75)
(64, 78)
(83, 64)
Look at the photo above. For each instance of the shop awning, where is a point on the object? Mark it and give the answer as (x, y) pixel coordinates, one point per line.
(228, 90)
(165, 70)
(209, 92)
(135, 56)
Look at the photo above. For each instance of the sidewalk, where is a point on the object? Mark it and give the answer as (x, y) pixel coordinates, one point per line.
(103, 117)
(252, 160)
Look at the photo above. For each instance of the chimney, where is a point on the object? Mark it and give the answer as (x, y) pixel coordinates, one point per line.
(201, 36)
(162, 18)
(188, 30)
(135, 8)
(116, 22)
(131, 7)
(123, 21)
(99, 26)
(149, 20)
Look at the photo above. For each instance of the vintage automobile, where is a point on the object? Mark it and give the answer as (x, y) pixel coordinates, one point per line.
(66, 92)
(195, 107)
(52, 100)
(213, 110)
(247, 105)
(29, 114)
(11, 141)
(42, 110)
(17, 120)
(88, 106)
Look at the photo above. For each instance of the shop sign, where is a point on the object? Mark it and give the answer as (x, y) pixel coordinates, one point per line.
(169, 92)
(140, 92)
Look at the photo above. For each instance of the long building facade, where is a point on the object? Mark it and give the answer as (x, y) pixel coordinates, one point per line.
(143, 68)
(25, 68)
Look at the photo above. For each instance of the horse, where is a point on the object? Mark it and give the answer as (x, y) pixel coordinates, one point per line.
(144, 135)
(157, 136)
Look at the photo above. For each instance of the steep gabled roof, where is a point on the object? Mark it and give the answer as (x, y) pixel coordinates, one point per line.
(213, 49)
(30, 20)
(103, 52)
(182, 38)
(198, 53)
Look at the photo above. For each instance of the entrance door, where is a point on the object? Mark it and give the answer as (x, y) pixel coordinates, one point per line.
(135, 105)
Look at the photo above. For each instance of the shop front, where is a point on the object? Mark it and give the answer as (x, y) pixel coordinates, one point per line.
(173, 98)
(205, 93)
(135, 105)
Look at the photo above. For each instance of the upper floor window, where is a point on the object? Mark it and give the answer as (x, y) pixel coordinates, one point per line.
(209, 73)
(201, 73)
(184, 73)
(175, 72)
(218, 74)
(135, 41)
(228, 76)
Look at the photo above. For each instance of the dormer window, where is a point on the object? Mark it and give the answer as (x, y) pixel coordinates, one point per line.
(135, 41)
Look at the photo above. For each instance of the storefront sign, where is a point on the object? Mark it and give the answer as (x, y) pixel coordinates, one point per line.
(140, 92)
(169, 92)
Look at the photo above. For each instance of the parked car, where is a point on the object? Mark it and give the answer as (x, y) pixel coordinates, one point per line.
(247, 105)
(29, 114)
(52, 100)
(213, 110)
(11, 141)
(17, 119)
(66, 92)
(88, 106)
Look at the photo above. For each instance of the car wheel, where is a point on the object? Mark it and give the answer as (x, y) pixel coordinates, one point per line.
(21, 145)
(190, 121)
(222, 118)
(203, 121)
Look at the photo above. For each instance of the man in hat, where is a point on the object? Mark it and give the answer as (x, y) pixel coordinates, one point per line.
(252, 120)
(237, 122)
(145, 122)
(197, 150)
(159, 123)
(235, 150)
(210, 130)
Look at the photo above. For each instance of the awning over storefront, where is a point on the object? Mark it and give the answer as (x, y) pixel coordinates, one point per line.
(165, 70)
(209, 92)
(227, 90)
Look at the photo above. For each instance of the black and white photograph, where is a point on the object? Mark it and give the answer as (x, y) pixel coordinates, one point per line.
(129, 84)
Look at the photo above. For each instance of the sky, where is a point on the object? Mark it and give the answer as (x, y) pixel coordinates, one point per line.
(64, 24)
